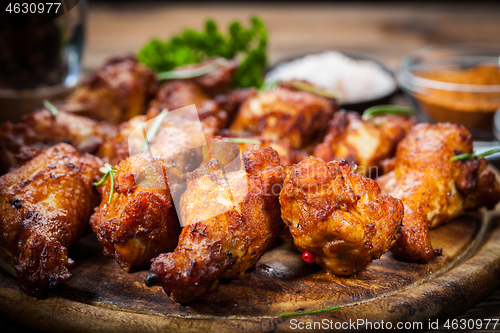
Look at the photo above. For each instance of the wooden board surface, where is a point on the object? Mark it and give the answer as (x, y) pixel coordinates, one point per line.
(102, 297)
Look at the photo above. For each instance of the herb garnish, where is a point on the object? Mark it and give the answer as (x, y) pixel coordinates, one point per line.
(309, 312)
(52, 109)
(243, 140)
(304, 86)
(107, 170)
(191, 72)
(154, 128)
(378, 110)
(246, 45)
(466, 156)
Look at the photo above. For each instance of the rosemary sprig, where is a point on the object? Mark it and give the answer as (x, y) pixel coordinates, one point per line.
(107, 170)
(268, 85)
(378, 110)
(304, 86)
(52, 109)
(191, 72)
(243, 140)
(309, 312)
(154, 128)
(466, 156)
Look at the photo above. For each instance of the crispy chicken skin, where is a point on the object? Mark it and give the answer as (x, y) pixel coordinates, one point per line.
(226, 245)
(288, 156)
(45, 206)
(362, 142)
(433, 189)
(286, 114)
(40, 129)
(141, 222)
(338, 215)
(116, 92)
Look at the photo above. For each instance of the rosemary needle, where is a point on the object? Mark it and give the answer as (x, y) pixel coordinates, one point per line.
(309, 312)
(52, 109)
(466, 156)
(108, 170)
(385, 109)
(243, 140)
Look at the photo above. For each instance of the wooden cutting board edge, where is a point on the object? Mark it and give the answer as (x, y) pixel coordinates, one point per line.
(448, 295)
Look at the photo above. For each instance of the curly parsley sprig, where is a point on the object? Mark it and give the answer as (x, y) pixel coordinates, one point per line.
(246, 45)
(107, 170)
(466, 156)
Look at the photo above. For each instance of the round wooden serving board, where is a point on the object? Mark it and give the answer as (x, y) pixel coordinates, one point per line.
(102, 297)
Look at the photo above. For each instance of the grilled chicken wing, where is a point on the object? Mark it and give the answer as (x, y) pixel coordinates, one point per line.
(39, 130)
(362, 142)
(116, 92)
(434, 189)
(286, 114)
(338, 215)
(45, 206)
(227, 244)
(288, 156)
(141, 222)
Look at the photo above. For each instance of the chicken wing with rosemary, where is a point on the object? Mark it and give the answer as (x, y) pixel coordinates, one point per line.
(284, 113)
(338, 215)
(433, 188)
(365, 143)
(226, 231)
(116, 92)
(137, 220)
(45, 206)
(41, 129)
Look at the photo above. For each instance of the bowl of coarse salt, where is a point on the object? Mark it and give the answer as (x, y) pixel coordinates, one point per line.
(360, 80)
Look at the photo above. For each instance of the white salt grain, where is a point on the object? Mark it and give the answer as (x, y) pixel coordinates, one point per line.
(356, 80)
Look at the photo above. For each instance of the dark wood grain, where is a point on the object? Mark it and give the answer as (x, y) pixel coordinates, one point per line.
(102, 297)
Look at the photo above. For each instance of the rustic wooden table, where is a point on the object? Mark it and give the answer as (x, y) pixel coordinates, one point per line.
(386, 30)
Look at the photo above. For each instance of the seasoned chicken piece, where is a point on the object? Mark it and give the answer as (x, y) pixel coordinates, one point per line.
(117, 149)
(116, 92)
(286, 114)
(140, 222)
(338, 215)
(365, 143)
(45, 206)
(226, 232)
(39, 130)
(432, 187)
(288, 156)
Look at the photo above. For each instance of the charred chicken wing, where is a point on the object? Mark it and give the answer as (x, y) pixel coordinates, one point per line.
(432, 187)
(116, 92)
(140, 222)
(45, 206)
(338, 215)
(365, 143)
(39, 130)
(222, 243)
(284, 113)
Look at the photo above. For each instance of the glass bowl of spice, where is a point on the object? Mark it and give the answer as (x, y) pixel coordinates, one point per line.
(455, 83)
